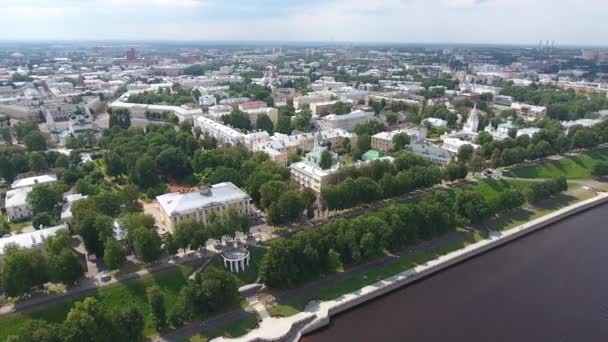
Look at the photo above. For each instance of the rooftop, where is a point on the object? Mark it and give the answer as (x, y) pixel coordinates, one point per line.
(17, 197)
(177, 203)
(31, 181)
(30, 239)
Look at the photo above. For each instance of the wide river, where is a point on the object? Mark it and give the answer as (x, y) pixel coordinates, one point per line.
(548, 286)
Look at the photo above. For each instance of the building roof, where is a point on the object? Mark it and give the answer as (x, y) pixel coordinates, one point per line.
(66, 209)
(430, 150)
(372, 155)
(178, 203)
(30, 239)
(17, 197)
(31, 181)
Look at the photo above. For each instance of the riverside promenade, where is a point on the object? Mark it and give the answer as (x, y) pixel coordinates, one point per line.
(318, 314)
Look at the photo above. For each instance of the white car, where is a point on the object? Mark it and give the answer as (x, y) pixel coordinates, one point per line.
(104, 276)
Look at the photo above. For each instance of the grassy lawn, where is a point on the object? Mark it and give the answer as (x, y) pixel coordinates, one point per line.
(577, 167)
(115, 297)
(491, 188)
(15, 227)
(353, 284)
(233, 329)
(521, 216)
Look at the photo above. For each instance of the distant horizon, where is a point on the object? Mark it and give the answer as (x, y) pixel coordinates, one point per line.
(254, 42)
(479, 22)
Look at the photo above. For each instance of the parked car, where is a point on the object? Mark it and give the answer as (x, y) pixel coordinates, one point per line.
(104, 276)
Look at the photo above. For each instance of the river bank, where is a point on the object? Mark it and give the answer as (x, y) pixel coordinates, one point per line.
(318, 314)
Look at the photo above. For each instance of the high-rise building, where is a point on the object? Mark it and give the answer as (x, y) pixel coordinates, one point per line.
(131, 54)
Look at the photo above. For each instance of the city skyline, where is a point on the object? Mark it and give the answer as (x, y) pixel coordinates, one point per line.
(395, 21)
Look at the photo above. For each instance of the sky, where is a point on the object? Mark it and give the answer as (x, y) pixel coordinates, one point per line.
(568, 22)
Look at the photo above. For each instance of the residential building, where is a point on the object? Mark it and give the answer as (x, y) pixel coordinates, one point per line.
(318, 97)
(503, 100)
(248, 105)
(453, 142)
(502, 131)
(435, 122)
(308, 174)
(279, 146)
(346, 122)
(567, 125)
(320, 108)
(431, 153)
(530, 131)
(383, 141)
(226, 135)
(198, 205)
(138, 110)
(529, 112)
(372, 155)
(254, 113)
(35, 180)
(30, 240)
(16, 205)
(17, 208)
(207, 100)
(66, 209)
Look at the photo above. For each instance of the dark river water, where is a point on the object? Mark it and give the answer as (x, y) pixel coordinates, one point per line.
(548, 286)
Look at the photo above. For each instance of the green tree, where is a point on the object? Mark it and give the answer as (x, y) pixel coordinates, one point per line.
(94, 229)
(400, 141)
(465, 153)
(156, 301)
(484, 138)
(37, 162)
(264, 123)
(144, 173)
(220, 288)
(7, 169)
(283, 124)
(113, 255)
(174, 163)
(42, 219)
(130, 324)
(6, 136)
(57, 243)
(35, 141)
(65, 267)
(37, 331)
(85, 322)
(600, 169)
(392, 118)
(364, 143)
(120, 117)
(45, 198)
(147, 245)
(21, 270)
(326, 160)
(115, 165)
(455, 171)
(288, 208)
(237, 119)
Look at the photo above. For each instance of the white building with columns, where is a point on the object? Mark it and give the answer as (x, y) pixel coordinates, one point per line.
(199, 204)
(236, 259)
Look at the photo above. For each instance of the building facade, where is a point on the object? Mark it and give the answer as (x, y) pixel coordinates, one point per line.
(200, 204)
